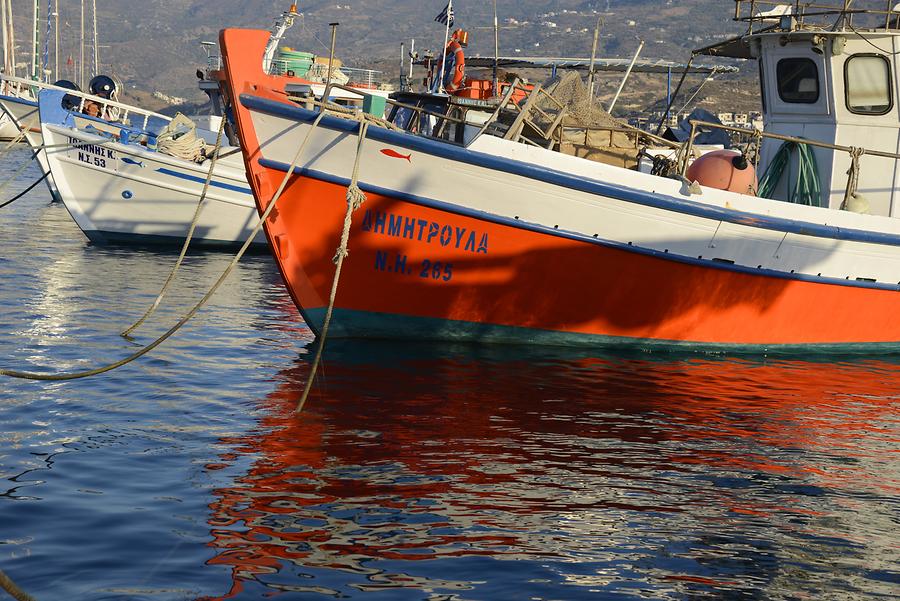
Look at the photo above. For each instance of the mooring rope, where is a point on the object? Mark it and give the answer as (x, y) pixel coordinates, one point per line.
(12, 142)
(93, 372)
(355, 198)
(25, 191)
(14, 591)
(187, 240)
(16, 173)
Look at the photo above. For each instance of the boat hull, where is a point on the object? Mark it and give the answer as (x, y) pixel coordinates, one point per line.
(126, 193)
(506, 243)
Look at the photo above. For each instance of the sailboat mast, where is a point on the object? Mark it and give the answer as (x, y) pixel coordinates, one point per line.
(12, 36)
(35, 41)
(56, 41)
(5, 39)
(81, 42)
(95, 65)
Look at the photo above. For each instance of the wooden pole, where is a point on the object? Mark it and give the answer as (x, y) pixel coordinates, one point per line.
(594, 58)
(612, 104)
(334, 27)
(496, 90)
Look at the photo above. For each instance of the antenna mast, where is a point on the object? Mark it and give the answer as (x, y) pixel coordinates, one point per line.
(281, 26)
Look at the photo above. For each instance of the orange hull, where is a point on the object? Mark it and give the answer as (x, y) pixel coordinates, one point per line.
(523, 284)
(420, 269)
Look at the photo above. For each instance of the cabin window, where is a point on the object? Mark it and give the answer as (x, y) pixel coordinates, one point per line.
(798, 80)
(867, 80)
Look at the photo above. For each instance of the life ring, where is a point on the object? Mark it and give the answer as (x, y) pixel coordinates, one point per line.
(459, 67)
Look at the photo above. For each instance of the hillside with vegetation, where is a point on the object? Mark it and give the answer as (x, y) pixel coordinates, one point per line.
(154, 45)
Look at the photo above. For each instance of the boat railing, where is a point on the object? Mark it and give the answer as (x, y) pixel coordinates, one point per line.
(417, 113)
(364, 78)
(804, 13)
(117, 111)
(856, 153)
(697, 124)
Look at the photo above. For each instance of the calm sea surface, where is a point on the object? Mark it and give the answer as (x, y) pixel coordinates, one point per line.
(417, 472)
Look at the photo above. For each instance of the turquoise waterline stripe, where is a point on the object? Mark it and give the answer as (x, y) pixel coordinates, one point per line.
(582, 184)
(348, 323)
(710, 263)
(201, 180)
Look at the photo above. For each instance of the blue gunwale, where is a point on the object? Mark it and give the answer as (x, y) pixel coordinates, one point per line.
(32, 103)
(578, 183)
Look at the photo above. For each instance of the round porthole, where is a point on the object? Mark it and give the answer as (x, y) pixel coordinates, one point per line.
(127, 194)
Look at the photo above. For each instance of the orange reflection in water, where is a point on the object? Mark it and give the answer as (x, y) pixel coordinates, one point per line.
(410, 456)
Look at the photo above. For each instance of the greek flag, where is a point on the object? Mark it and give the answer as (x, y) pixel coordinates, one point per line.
(446, 15)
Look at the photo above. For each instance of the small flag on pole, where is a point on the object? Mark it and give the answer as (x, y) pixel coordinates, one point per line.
(446, 16)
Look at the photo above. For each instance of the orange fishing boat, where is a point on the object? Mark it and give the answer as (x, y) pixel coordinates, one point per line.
(469, 231)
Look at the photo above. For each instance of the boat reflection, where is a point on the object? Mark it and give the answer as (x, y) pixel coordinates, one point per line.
(409, 453)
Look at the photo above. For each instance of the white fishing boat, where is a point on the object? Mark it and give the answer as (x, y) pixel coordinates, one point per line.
(120, 183)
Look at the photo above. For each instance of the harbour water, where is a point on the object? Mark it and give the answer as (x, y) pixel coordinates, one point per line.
(416, 472)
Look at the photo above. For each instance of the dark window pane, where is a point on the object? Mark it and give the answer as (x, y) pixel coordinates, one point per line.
(798, 80)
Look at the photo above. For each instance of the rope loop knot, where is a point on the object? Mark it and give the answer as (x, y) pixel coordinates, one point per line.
(355, 197)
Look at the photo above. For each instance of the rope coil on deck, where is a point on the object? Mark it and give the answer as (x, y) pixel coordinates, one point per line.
(179, 139)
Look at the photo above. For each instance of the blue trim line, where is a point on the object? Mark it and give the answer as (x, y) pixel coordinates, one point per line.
(581, 184)
(532, 227)
(16, 99)
(202, 180)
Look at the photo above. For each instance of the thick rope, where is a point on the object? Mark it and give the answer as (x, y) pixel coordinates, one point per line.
(14, 591)
(12, 142)
(25, 191)
(853, 176)
(187, 240)
(181, 143)
(355, 198)
(193, 311)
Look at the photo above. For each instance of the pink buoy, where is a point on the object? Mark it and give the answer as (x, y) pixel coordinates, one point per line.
(724, 170)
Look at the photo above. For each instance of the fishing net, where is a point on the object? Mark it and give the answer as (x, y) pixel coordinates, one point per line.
(581, 110)
(588, 131)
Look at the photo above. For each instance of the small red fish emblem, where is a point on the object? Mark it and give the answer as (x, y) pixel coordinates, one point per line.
(396, 155)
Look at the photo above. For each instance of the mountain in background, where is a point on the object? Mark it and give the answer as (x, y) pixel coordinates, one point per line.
(154, 45)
